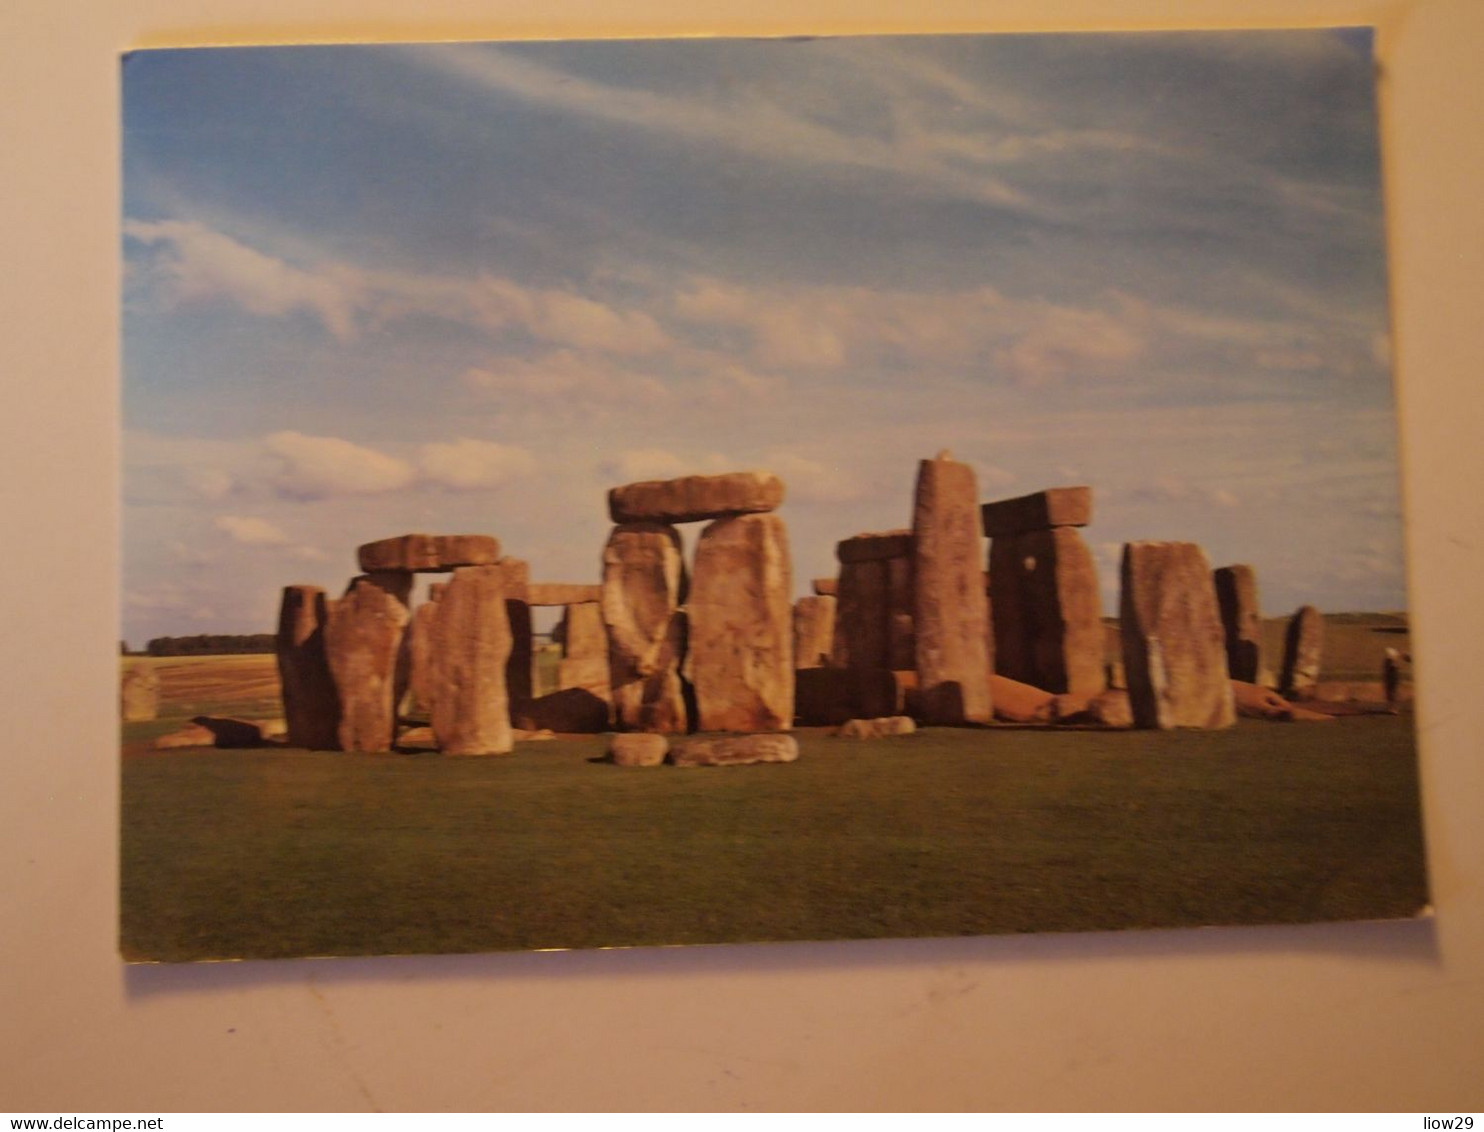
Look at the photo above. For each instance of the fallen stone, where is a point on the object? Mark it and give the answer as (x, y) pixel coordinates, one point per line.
(638, 749)
(570, 711)
(735, 750)
(1256, 702)
(1303, 652)
(561, 593)
(1111, 709)
(887, 727)
(814, 631)
(693, 498)
(1017, 702)
(875, 546)
(417, 737)
(1174, 649)
(192, 735)
(539, 736)
(1054, 507)
(1241, 620)
(139, 693)
(739, 656)
(428, 553)
(232, 734)
(363, 647)
(472, 636)
(950, 613)
(826, 587)
(644, 584)
(1048, 626)
(1297, 714)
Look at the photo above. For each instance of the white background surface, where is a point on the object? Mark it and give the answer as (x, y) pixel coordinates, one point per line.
(1373, 1016)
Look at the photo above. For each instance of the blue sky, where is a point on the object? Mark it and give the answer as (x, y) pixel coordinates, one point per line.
(467, 288)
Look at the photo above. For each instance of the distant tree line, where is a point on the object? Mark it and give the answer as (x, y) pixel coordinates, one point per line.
(210, 644)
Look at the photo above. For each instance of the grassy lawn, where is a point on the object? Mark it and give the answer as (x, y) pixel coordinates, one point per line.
(279, 852)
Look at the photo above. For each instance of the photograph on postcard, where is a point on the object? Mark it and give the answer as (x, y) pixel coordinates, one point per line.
(623, 493)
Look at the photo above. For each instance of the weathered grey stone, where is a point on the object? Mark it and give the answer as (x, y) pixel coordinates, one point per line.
(826, 587)
(1174, 650)
(428, 553)
(472, 637)
(363, 645)
(139, 693)
(644, 584)
(1241, 621)
(1303, 652)
(875, 546)
(901, 636)
(739, 656)
(1054, 507)
(814, 631)
(693, 498)
(520, 669)
(861, 616)
(735, 750)
(561, 593)
(886, 727)
(583, 635)
(1048, 627)
(950, 614)
(311, 706)
(638, 749)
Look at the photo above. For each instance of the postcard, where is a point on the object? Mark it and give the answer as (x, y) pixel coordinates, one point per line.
(635, 493)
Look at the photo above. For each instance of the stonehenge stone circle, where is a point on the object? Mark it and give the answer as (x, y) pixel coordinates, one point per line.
(311, 706)
(694, 498)
(950, 612)
(428, 553)
(739, 655)
(1241, 621)
(876, 546)
(735, 750)
(583, 635)
(1054, 507)
(139, 693)
(422, 655)
(826, 587)
(644, 584)
(1303, 651)
(1047, 626)
(1174, 649)
(472, 637)
(860, 639)
(814, 631)
(363, 644)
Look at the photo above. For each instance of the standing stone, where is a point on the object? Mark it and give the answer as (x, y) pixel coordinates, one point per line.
(472, 638)
(520, 669)
(901, 638)
(561, 593)
(1054, 507)
(422, 656)
(950, 614)
(1236, 594)
(826, 587)
(644, 583)
(363, 643)
(740, 653)
(1048, 614)
(311, 708)
(139, 693)
(1174, 650)
(1303, 649)
(814, 631)
(860, 639)
(583, 634)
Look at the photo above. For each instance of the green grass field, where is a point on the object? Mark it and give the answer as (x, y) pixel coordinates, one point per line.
(277, 852)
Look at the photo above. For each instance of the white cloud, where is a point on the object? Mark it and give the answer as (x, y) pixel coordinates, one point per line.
(992, 478)
(468, 465)
(211, 484)
(250, 531)
(318, 467)
(192, 262)
(660, 464)
(811, 481)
